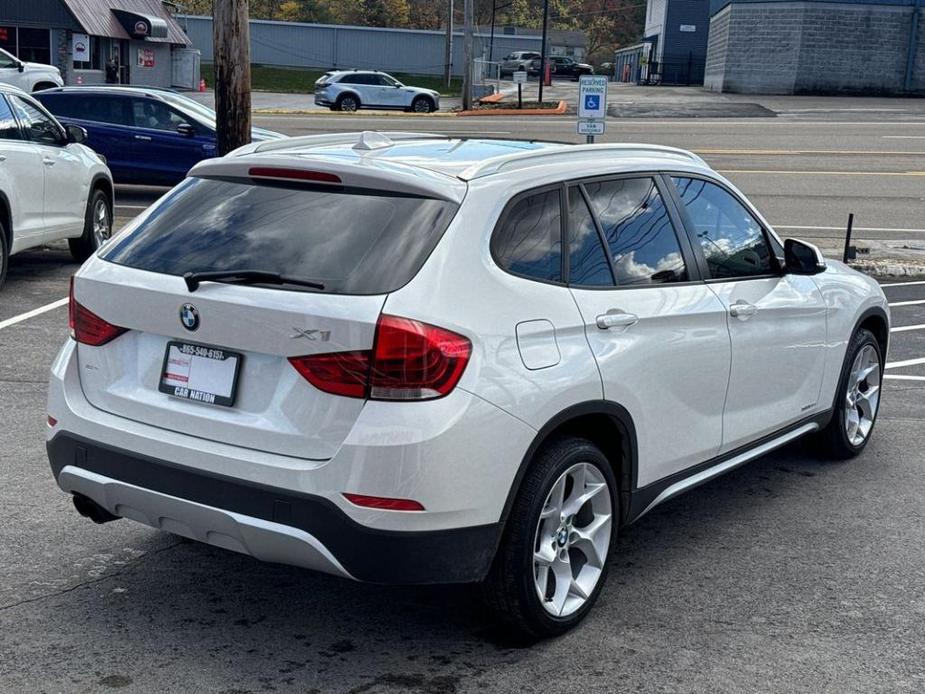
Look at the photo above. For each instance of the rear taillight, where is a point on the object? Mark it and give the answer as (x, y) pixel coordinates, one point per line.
(87, 327)
(410, 360)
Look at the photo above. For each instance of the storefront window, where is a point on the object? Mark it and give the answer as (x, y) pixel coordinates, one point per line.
(35, 45)
(97, 58)
(8, 39)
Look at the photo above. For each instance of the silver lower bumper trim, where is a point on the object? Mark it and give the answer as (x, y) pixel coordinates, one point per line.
(261, 539)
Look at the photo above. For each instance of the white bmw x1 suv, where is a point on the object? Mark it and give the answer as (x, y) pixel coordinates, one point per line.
(404, 358)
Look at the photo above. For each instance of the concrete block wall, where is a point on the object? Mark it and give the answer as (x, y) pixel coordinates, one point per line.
(811, 47)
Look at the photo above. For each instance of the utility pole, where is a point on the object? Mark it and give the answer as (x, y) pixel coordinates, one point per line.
(449, 43)
(467, 70)
(543, 51)
(231, 41)
(491, 41)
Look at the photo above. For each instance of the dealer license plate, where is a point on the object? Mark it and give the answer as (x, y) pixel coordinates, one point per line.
(200, 373)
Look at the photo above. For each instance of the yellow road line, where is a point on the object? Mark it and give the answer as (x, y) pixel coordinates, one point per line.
(802, 152)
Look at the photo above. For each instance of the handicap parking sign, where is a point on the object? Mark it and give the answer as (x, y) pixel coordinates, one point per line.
(592, 96)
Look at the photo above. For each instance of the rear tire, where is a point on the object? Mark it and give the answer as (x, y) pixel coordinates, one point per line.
(348, 103)
(97, 227)
(552, 562)
(857, 400)
(4, 255)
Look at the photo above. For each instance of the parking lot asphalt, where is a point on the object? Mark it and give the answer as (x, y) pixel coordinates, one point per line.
(787, 575)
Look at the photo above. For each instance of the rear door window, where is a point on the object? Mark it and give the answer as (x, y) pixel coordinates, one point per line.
(354, 241)
(9, 129)
(588, 264)
(528, 241)
(638, 230)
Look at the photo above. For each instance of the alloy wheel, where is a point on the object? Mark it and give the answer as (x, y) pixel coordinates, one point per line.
(863, 395)
(102, 225)
(421, 106)
(348, 103)
(572, 539)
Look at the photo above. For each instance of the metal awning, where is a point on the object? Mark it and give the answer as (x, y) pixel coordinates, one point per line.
(141, 26)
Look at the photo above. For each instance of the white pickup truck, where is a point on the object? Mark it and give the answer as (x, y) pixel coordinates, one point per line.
(30, 77)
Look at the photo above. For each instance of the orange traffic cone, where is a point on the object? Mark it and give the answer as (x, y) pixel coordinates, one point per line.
(202, 85)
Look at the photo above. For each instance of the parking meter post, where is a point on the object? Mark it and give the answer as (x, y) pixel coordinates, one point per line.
(589, 139)
(520, 95)
(848, 255)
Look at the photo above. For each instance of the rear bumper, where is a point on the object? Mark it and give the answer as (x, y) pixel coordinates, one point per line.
(268, 523)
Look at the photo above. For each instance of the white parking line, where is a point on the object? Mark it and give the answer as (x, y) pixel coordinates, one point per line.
(31, 314)
(903, 284)
(907, 362)
(914, 302)
(898, 377)
(144, 207)
(907, 328)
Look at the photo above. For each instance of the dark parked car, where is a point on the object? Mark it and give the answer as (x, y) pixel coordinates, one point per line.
(148, 135)
(562, 66)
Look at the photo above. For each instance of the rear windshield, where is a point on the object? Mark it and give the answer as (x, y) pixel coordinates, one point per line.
(354, 241)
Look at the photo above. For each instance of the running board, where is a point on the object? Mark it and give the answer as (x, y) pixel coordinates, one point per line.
(727, 465)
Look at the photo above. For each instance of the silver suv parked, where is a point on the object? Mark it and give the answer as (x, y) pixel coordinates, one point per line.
(351, 90)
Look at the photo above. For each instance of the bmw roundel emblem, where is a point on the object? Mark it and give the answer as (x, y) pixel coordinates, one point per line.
(189, 316)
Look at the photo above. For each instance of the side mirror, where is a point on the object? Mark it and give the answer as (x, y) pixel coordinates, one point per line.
(801, 258)
(75, 133)
(21, 67)
(186, 129)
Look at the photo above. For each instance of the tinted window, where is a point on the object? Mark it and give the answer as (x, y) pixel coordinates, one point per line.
(9, 129)
(732, 240)
(638, 231)
(91, 107)
(356, 242)
(39, 127)
(529, 240)
(588, 264)
(156, 115)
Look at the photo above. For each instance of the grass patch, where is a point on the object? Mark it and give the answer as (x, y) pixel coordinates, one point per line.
(292, 80)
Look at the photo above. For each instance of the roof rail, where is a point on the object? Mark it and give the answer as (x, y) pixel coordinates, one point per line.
(574, 152)
(350, 138)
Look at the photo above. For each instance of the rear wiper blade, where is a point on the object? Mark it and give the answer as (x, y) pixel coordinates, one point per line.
(193, 279)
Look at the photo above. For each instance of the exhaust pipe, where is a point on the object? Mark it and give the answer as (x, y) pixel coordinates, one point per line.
(88, 508)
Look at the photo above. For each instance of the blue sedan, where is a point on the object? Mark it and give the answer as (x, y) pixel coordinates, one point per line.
(148, 135)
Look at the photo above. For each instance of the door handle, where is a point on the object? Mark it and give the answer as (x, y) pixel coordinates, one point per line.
(48, 162)
(2, 157)
(616, 319)
(742, 310)
(143, 138)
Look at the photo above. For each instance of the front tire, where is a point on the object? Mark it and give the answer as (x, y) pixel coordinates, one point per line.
(857, 401)
(552, 562)
(422, 104)
(97, 227)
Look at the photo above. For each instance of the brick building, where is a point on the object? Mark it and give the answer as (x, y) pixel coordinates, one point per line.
(817, 47)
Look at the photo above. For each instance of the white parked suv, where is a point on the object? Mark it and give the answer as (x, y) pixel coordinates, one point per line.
(406, 358)
(52, 186)
(30, 77)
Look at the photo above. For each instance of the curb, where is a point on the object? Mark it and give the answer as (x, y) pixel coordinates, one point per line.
(557, 111)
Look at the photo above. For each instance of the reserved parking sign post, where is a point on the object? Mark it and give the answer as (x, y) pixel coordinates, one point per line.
(592, 105)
